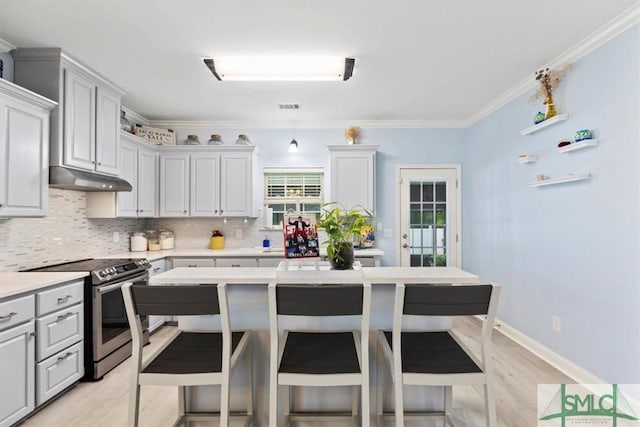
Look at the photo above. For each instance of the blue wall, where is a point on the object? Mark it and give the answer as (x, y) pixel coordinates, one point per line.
(570, 250)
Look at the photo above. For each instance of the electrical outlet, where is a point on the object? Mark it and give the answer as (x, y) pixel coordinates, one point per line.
(387, 233)
(116, 237)
(556, 324)
(238, 233)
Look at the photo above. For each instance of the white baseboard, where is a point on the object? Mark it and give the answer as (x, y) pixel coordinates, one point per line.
(564, 365)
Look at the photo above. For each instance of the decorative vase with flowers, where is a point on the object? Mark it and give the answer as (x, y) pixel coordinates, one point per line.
(352, 133)
(341, 226)
(549, 80)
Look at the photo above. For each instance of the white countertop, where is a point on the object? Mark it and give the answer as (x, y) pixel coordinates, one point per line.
(227, 253)
(13, 283)
(208, 275)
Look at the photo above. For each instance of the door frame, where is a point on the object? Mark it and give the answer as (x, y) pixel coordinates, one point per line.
(458, 169)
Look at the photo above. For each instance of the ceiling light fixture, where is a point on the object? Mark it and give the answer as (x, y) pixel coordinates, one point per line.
(281, 68)
(293, 146)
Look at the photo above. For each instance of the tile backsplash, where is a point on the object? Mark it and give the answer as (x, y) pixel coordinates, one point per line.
(67, 234)
(64, 235)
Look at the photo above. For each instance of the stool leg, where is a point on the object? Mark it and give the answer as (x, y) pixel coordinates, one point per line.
(181, 401)
(380, 383)
(354, 401)
(224, 402)
(448, 403)
(399, 401)
(490, 406)
(250, 379)
(134, 403)
(273, 399)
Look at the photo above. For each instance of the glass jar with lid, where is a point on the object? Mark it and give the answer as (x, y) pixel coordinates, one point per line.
(192, 140)
(166, 239)
(243, 140)
(138, 241)
(215, 140)
(153, 239)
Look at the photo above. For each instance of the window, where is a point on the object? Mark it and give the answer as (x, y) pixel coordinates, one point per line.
(297, 190)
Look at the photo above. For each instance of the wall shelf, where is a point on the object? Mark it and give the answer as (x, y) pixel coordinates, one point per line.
(527, 158)
(544, 124)
(578, 145)
(561, 180)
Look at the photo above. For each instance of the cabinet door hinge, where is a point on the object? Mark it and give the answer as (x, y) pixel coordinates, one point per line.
(457, 239)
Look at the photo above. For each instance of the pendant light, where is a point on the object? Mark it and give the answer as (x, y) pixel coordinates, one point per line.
(293, 146)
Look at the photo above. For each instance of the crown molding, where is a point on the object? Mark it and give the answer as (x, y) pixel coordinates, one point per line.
(602, 35)
(308, 124)
(5, 46)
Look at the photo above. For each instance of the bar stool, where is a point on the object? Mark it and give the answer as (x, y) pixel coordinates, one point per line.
(438, 358)
(319, 358)
(187, 358)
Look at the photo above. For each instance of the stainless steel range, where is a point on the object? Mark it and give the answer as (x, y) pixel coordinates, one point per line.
(107, 337)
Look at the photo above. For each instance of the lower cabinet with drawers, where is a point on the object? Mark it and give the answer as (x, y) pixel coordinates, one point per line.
(41, 348)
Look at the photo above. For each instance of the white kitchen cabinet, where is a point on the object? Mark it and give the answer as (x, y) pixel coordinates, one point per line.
(24, 151)
(174, 185)
(17, 350)
(139, 167)
(353, 175)
(60, 339)
(236, 262)
(85, 127)
(206, 182)
(193, 262)
(236, 184)
(156, 267)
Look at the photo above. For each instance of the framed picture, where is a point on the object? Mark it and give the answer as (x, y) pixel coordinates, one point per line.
(158, 136)
(300, 236)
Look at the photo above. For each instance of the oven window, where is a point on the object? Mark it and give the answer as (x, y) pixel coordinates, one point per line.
(114, 315)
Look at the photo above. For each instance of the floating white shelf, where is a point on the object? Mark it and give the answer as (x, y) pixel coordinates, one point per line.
(544, 124)
(578, 145)
(527, 158)
(561, 180)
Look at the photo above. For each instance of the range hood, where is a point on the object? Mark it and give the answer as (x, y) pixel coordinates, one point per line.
(73, 179)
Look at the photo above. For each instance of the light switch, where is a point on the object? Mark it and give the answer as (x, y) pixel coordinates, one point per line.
(238, 233)
(379, 226)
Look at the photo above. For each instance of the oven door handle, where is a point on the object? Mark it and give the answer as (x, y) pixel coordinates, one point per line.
(104, 289)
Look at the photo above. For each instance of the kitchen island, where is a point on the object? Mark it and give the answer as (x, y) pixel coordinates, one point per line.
(248, 307)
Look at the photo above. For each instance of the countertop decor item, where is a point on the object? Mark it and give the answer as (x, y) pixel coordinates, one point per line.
(216, 140)
(341, 226)
(192, 140)
(217, 240)
(549, 81)
(243, 140)
(352, 133)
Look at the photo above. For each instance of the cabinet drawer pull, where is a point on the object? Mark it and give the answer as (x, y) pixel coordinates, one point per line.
(64, 316)
(32, 334)
(64, 299)
(156, 269)
(235, 265)
(65, 357)
(8, 316)
(192, 265)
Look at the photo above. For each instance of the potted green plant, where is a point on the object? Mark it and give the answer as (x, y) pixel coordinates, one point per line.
(341, 226)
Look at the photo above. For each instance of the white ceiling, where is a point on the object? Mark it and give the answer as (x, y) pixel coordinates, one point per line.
(416, 60)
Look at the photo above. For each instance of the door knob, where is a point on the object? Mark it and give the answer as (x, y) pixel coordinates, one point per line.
(405, 246)
(404, 236)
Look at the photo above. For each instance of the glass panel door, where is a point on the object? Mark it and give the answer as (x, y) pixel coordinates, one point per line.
(428, 217)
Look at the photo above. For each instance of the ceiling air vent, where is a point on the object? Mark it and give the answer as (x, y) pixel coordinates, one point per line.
(289, 106)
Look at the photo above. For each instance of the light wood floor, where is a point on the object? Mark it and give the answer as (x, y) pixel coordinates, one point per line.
(105, 403)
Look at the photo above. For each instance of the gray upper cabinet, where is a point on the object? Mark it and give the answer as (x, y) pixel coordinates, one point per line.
(174, 185)
(24, 151)
(85, 127)
(139, 167)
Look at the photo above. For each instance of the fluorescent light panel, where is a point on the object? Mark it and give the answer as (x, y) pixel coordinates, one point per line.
(280, 68)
